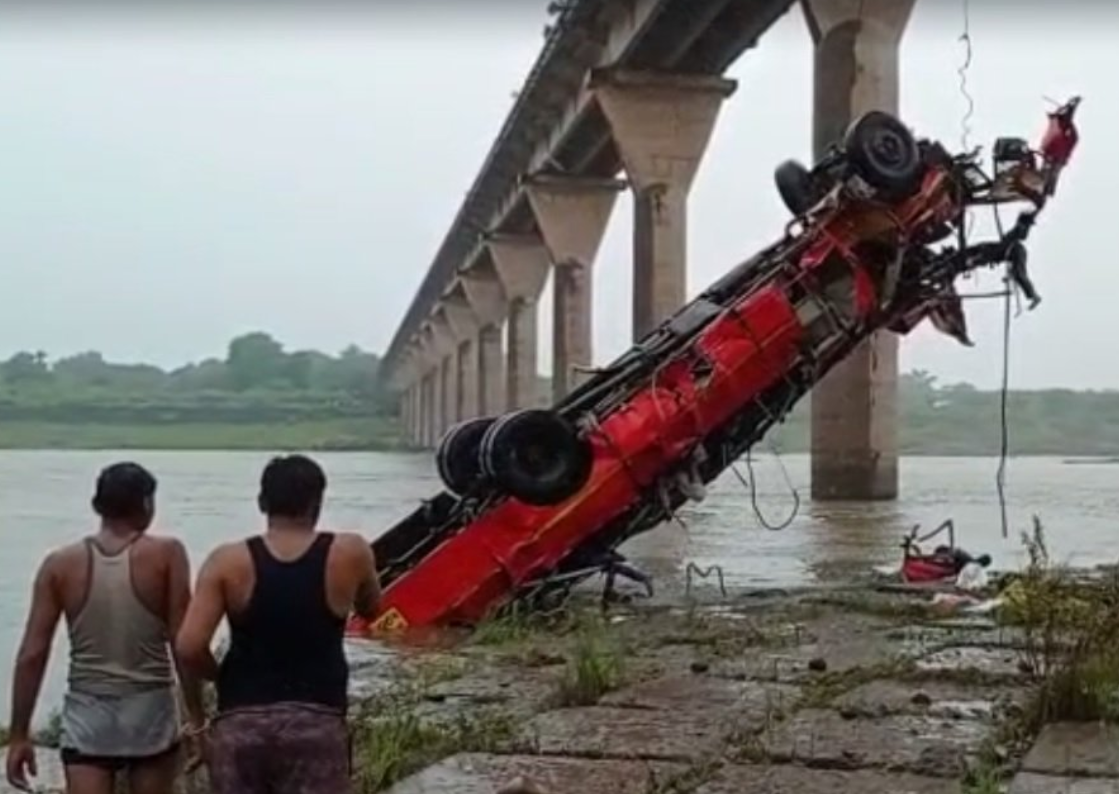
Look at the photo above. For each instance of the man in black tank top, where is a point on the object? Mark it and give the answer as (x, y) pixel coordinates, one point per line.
(282, 685)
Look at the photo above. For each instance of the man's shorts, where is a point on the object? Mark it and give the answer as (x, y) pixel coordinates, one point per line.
(118, 731)
(287, 748)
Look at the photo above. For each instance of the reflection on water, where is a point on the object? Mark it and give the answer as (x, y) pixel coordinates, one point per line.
(208, 498)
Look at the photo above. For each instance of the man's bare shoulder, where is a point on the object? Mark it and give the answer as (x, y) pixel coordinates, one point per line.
(352, 544)
(227, 556)
(62, 560)
(165, 547)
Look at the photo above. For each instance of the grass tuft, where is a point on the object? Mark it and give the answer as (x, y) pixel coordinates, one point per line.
(596, 666)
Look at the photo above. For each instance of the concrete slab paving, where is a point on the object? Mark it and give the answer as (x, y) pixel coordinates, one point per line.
(996, 662)
(1029, 783)
(934, 699)
(626, 733)
(706, 693)
(1076, 750)
(488, 774)
(738, 779)
(917, 744)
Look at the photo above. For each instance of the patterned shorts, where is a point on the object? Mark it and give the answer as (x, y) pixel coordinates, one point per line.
(280, 749)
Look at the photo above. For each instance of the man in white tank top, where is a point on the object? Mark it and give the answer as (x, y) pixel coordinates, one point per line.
(123, 594)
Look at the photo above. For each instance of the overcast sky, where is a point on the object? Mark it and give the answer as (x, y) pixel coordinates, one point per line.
(171, 181)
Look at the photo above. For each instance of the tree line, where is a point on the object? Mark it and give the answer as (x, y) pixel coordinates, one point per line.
(960, 419)
(257, 380)
(259, 388)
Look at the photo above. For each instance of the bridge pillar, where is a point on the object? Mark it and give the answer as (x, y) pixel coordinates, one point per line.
(439, 344)
(415, 411)
(521, 263)
(661, 124)
(427, 409)
(491, 371)
(445, 396)
(464, 329)
(405, 410)
(854, 408)
(572, 213)
(487, 299)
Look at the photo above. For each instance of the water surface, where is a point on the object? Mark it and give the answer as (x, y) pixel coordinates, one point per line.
(209, 497)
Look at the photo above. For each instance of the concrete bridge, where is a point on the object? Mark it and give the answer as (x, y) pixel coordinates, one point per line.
(632, 88)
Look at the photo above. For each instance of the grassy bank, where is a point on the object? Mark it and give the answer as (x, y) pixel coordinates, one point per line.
(356, 434)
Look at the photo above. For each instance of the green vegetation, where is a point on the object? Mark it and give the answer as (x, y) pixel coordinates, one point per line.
(595, 668)
(959, 419)
(392, 739)
(258, 396)
(1071, 627)
(1069, 622)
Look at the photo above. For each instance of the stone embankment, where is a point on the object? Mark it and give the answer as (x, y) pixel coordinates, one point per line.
(849, 692)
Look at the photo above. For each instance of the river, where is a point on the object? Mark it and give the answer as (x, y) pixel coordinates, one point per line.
(209, 497)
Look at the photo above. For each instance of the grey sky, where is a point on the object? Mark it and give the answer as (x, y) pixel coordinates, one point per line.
(168, 184)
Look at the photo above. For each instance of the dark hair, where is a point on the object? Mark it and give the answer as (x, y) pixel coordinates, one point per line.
(123, 491)
(292, 487)
(984, 560)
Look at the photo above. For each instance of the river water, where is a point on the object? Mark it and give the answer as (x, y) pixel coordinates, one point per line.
(209, 497)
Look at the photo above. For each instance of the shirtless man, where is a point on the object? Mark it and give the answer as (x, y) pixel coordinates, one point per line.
(282, 685)
(123, 594)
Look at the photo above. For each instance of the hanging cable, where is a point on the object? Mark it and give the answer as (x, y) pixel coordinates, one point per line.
(965, 37)
(1004, 390)
(751, 486)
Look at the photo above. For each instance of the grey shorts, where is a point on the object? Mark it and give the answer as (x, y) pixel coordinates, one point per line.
(137, 725)
(280, 749)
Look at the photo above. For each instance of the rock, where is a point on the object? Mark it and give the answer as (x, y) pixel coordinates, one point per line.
(1075, 750)
(539, 658)
(916, 744)
(799, 780)
(520, 785)
(1028, 783)
(486, 774)
(920, 699)
(818, 664)
(699, 668)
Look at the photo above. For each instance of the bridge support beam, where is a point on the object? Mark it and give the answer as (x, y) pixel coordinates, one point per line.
(483, 291)
(661, 124)
(572, 214)
(854, 409)
(521, 263)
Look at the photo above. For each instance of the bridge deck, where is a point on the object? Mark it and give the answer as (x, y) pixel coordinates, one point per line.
(555, 127)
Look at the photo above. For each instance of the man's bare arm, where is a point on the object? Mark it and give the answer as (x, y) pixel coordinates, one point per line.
(367, 596)
(34, 650)
(192, 642)
(178, 601)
